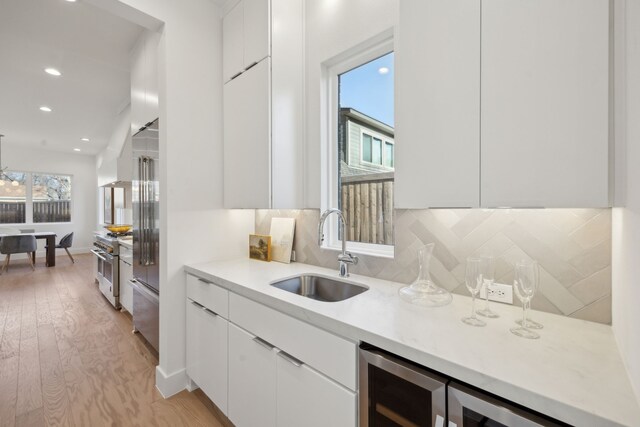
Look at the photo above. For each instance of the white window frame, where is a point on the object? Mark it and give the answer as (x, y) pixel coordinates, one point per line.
(331, 70)
(28, 219)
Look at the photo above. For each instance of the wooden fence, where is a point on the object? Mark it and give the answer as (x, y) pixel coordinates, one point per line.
(52, 211)
(367, 203)
(12, 212)
(46, 211)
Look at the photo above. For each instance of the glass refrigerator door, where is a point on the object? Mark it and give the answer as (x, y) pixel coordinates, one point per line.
(397, 393)
(470, 408)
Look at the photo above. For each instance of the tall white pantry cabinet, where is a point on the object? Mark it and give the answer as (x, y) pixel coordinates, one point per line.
(503, 103)
(263, 72)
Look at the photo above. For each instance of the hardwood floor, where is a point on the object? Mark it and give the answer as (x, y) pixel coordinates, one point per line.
(68, 358)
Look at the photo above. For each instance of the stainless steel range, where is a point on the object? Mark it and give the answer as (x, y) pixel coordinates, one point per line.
(106, 250)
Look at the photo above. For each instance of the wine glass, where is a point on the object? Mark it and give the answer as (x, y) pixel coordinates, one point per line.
(473, 281)
(525, 285)
(531, 324)
(488, 270)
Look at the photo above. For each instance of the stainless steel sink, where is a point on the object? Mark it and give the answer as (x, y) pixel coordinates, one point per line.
(320, 288)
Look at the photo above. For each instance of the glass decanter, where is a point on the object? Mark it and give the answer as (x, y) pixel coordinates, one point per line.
(423, 291)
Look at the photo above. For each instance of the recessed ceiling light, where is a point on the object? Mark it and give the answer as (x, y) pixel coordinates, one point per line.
(383, 70)
(71, 1)
(84, 139)
(75, 149)
(45, 109)
(53, 72)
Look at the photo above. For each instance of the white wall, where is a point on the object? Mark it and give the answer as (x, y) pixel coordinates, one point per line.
(194, 226)
(626, 221)
(83, 189)
(333, 27)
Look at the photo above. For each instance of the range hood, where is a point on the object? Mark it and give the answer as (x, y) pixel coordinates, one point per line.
(117, 172)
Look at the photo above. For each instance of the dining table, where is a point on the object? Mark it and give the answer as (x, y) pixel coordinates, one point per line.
(50, 238)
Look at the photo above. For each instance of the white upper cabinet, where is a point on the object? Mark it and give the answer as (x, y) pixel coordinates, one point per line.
(256, 30)
(438, 104)
(144, 81)
(545, 103)
(247, 182)
(232, 43)
(510, 113)
(263, 106)
(246, 36)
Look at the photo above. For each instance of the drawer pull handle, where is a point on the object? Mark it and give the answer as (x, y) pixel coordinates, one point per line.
(205, 281)
(289, 358)
(263, 343)
(206, 310)
(196, 304)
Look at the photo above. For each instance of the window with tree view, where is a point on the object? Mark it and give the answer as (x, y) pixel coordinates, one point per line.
(27, 197)
(51, 198)
(366, 150)
(13, 198)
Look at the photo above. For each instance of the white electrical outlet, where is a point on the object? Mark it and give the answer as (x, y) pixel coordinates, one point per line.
(499, 292)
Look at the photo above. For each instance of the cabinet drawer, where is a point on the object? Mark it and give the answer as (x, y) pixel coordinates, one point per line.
(323, 351)
(209, 295)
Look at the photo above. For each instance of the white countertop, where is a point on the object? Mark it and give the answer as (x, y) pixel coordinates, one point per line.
(127, 242)
(573, 373)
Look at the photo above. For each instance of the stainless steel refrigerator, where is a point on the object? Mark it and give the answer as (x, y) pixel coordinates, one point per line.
(146, 232)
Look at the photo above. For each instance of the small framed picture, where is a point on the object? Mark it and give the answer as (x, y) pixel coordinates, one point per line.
(260, 247)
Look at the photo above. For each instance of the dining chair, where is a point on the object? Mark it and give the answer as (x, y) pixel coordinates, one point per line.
(10, 245)
(65, 243)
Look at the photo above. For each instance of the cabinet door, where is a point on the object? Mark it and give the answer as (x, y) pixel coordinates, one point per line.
(207, 335)
(307, 398)
(126, 292)
(256, 31)
(151, 111)
(437, 104)
(247, 138)
(545, 79)
(232, 43)
(138, 95)
(252, 380)
(287, 103)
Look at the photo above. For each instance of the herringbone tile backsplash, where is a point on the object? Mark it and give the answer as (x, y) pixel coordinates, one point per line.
(573, 247)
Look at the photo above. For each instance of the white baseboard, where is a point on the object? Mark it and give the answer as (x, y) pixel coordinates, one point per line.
(191, 386)
(168, 385)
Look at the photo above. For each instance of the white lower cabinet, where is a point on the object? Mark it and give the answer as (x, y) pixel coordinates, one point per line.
(268, 388)
(263, 368)
(308, 398)
(252, 380)
(126, 292)
(207, 335)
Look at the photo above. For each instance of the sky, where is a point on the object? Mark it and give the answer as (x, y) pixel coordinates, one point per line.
(368, 91)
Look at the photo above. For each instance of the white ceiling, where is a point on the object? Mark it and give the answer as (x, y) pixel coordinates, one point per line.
(89, 46)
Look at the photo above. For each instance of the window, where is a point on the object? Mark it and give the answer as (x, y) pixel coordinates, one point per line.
(51, 198)
(13, 198)
(376, 156)
(27, 197)
(360, 101)
(388, 154)
(366, 147)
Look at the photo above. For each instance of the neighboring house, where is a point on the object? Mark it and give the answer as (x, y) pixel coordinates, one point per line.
(366, 148)
(366, 145)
